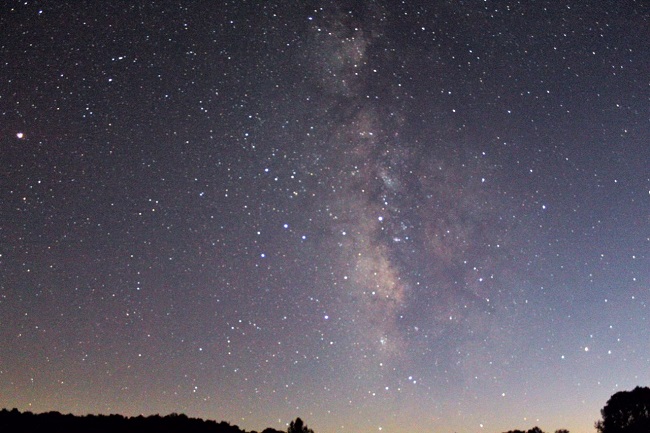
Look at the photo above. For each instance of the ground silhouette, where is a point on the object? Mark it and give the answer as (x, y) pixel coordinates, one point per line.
(624, 412)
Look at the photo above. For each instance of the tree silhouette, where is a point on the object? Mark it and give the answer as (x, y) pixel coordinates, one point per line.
(298, 426)
(626, 412)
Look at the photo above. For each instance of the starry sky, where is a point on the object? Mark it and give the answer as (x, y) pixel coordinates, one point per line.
(387, 216)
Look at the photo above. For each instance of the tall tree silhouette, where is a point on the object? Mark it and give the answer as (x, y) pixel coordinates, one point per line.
(626, 412)
(298, 426)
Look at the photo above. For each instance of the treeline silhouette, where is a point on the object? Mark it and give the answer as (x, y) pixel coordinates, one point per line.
(624, 412)
(15, 421)
(536, 430)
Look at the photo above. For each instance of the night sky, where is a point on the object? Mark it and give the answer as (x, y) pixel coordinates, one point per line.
(389, 216)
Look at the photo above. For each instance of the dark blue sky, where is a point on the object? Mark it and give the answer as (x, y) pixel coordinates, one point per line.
(377, 216)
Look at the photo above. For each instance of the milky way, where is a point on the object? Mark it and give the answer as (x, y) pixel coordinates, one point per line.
(414, 221)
